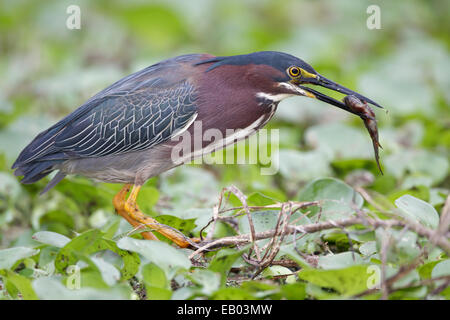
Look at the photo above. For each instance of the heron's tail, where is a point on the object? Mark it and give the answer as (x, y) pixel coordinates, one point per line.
(40, 158)
(36, 170)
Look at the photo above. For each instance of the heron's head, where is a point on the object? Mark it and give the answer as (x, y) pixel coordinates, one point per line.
(279, 75)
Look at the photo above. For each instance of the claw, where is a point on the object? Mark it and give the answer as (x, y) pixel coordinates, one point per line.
(136, 217)
(120, 202)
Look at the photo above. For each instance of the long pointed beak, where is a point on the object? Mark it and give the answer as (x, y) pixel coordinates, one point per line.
(326, 83)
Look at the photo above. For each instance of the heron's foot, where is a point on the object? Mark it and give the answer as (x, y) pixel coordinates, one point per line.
(120, 198)
(119, 204)
(133, 213)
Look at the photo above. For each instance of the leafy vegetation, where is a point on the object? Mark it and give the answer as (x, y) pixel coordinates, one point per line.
(390, 234)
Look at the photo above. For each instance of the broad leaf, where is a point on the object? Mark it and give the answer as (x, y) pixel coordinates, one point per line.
(160, 253)
(223, 261)
(92, 241)
(338, 200)
(52, 289)
(109, 273)
(22, 284)
(208, 280)
(8, 257)
(441, 269)
(348, 281)
(232, 293)
(417, 210)
(339, 260)
(51, 238)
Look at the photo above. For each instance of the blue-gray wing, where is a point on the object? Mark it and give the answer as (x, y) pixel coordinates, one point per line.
(129, 121)
(135, 113)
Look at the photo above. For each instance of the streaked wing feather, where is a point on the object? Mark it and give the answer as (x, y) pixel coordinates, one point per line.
(165, 75)
(129, 122)
(133, 114)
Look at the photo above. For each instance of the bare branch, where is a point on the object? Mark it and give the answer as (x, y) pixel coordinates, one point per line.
(243, 239)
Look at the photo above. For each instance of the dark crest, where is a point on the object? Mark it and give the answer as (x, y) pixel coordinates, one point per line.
(277, 60)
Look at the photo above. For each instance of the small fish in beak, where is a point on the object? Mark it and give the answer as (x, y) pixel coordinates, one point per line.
(366, 113)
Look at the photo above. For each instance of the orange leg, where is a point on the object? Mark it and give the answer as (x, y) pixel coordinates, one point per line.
(131, 208)
(119, 205)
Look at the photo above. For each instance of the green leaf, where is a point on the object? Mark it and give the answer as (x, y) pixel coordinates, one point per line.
(160, 253)
(419, 192)
(51, 238)
(156, 293)
(438, 196)
(294, 291)
(89, 242)
(347, 166)
(55, 220)
(290, 251)
(47, 258)
(339, 260)
(368, 248)
(8, 257)
(408, 279)
(337, 238)
(111, 228)
(338, 199)
(262, 221)
(420, 162)
(426, 269)
(52, 289)
(22, 284)
(417, 210)
(154, 276)
(86, 243)
(231, 293)
(441, 269)
(208, 280)
(402, 247)
(156, 283)
(348, 281)
(413, 293)
(261, 290)
(185, 293)
(108, 272)
(82, 190)
(90, 277)
(81, 244)
(272, 271)
(259, 199)
(183, 225)
(190, 187)
(223, 261)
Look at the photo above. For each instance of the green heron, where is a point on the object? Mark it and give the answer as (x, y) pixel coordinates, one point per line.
(124, 134)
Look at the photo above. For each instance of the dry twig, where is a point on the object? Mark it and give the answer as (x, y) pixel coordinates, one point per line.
(243, 239)
(260, 258)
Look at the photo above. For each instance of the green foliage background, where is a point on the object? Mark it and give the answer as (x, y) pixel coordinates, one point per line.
(48, 70)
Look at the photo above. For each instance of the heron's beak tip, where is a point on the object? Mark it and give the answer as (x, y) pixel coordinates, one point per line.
(320, 80)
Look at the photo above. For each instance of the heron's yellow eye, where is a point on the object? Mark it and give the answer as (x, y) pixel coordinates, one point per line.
(294, 72)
